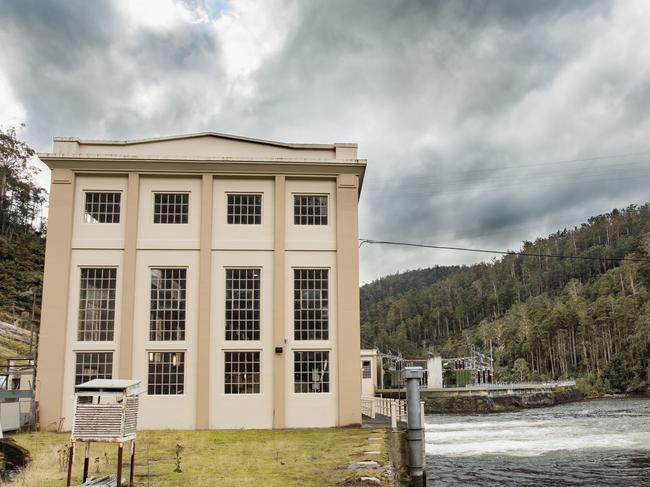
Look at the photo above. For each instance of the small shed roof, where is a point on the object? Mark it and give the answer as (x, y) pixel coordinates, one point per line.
(112, 385)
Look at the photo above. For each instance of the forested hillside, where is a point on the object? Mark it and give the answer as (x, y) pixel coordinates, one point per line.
(22, 241)
(395, 285)
(557, 317)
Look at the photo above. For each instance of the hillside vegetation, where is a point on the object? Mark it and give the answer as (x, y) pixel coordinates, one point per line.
(22, 244)
(553, 317)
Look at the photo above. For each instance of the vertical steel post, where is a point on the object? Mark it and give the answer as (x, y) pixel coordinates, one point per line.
(86, 460)
(70, 459)
(120, 451)
(415, 436)
(132, 463)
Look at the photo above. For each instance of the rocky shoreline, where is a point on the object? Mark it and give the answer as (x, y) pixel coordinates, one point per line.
(470, 402)
(499, 404)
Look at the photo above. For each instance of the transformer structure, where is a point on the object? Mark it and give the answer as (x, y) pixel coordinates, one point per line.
(474, 369)
(392, 367)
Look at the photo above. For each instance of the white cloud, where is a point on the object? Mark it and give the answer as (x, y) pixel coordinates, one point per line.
(160, 14)
(12, 112)
(249, 33)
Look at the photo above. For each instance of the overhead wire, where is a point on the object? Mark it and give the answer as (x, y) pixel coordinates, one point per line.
(551, 163)
(498, 182)
(501, 252)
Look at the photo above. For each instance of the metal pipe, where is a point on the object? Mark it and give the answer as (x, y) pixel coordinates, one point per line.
(415, 433)
(132, 463)
(86, 460)
(120, 450)
(70, 459)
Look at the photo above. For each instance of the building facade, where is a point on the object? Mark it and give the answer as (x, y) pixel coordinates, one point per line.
(221, 271)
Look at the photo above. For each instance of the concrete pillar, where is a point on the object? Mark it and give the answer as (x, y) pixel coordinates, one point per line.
(278, 304)
(348, 326)
(125, 367)
(203, 381)
(54, 314)
(434, 372)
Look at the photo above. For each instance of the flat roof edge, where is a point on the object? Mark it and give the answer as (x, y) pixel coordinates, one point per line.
(53, 156)
(202, 134)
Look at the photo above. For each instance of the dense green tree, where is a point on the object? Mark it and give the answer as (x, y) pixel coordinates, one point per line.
(520, 369)
(21, 198)
(22, 242)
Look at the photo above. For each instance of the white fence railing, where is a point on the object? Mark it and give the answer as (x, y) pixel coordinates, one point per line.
(395, 409)
(523, 385)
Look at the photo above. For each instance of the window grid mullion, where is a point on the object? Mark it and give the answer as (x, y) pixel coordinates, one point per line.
(166, 373)
(311, 371)
(96, 320)
(244, 209)
(171, 208)
(311, 302)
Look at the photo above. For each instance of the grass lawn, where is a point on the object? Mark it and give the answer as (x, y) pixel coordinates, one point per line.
(310, 457)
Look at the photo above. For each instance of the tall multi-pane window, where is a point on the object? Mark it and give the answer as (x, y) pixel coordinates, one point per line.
(311, 371)
(243, 304)
(168, 304)
(93, 365)
(166, 373)
(367, 369)
(171, 207)
(244, 209)
(97, 304)
(242, 373)
(102, 207)
(309, 209)
(310, 304)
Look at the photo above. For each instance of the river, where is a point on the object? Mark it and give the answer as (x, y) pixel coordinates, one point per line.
(598, 442)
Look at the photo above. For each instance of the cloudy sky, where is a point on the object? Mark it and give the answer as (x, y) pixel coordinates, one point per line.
(485, 123)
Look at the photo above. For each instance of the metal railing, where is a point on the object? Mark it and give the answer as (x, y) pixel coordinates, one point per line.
(395, 409)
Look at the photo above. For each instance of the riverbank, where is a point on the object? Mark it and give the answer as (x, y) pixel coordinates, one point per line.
(274, 458)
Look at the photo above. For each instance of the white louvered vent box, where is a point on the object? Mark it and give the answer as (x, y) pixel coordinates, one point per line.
(106, 410)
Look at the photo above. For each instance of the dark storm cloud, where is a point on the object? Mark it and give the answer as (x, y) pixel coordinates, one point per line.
(463, 108)
(77, 65)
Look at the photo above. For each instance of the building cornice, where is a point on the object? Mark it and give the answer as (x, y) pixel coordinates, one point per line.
(107, 164)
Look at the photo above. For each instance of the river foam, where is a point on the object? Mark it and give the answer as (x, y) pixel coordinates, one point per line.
(603, 442)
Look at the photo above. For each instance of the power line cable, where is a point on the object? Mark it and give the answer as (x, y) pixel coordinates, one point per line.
(443, 179)
(548, 163)
(501, 252)
(407, 191)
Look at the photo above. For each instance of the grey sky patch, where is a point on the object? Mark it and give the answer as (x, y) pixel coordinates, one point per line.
(464, 109)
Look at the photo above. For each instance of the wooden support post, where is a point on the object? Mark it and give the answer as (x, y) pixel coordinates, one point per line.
(86, 459)
(120, 451)
(70, 458)
(132, 463)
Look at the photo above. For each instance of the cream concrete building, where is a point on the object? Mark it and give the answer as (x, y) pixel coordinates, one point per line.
(370, 372)
(221, 271)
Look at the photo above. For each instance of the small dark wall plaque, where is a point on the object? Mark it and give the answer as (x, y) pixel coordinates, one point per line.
(278, 349)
